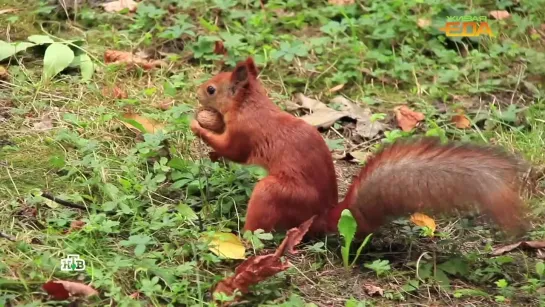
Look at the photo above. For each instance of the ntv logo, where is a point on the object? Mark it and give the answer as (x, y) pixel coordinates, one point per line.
(72, 263)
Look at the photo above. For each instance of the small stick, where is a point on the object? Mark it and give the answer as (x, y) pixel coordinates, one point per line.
(6, 236)
(63, 202)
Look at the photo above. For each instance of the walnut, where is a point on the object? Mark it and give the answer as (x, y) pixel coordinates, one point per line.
(211, 119)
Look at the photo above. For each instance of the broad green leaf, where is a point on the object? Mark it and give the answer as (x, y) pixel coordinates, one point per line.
(227, 245)
(7, 49)
(86, 66)
(442, 279)
(57, 57)
(186, 211)
(347, 225)
(40, 39)
(540, 269)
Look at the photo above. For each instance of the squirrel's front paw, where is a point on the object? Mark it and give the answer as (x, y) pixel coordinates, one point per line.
(196, 128)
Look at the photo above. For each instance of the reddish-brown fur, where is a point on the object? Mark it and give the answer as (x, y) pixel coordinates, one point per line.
(405, 177)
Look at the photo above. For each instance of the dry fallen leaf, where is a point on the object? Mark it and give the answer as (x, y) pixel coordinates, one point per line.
(295, 235)
(406, 118)
(76, 225)
(336, 88)
(140, 123)
(422, 220)
(341, 2)
(165, 105)
(372, 290)
(116, 6)
(219, 48)
(507, 248)
(258, 268)
(321, 115)
(324, 117)
(499, 15)
(227, 245)
(5, 11)
(61, 289)
(460, 120)
(360, 156)
(116, 57)
(45, 123)
(114, 92)
(3, 73)
(423, 23)
(365, 127)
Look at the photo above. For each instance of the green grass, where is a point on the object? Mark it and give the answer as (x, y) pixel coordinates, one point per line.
(141, 241)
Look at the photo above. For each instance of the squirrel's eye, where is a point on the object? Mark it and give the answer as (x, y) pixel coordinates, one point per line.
(210, 90)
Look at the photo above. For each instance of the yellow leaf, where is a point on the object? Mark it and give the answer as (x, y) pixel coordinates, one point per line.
(227, 245)
(423, 220)
(149, 125)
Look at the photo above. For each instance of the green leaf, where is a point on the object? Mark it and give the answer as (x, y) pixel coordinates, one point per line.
(139, 249)
(86, 66)
(540, 269)
(347, 225)
(187, 212)
(177, 163)
(442, 278)
(7, 49)
(40, 39)
(57, 57)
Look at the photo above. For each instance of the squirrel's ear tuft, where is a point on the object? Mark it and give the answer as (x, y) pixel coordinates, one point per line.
(243, 71)
(252, 68)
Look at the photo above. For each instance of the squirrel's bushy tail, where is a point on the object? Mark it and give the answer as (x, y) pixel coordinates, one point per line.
(427, 176)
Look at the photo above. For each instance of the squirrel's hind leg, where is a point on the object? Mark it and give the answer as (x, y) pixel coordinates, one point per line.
(278, 205)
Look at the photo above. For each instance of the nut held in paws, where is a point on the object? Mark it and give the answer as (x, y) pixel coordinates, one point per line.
(211, 120)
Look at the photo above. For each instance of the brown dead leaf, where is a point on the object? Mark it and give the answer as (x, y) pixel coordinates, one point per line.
(116, 57)
(460, 120)
(219, 48)
(5, 11)
(61, 289)
(525, 244)
(359, 156)
(258, 268)
(406, 118)
(44, 124)
(499, 15)
(295, 235)
(165, 105)
(76, 225)
(149, 125)
(341, 2)
(321, 115)
(116, 6)
(114, 92)
(423, 23)
(135, 295)
(365, 127)
(324, 117)
(4, 73)
(372, 290)
(336, 88)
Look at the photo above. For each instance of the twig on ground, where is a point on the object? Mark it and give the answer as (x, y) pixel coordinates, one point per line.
(6, 236)
(63, 202)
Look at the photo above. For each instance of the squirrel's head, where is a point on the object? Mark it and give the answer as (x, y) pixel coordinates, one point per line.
(227, 88)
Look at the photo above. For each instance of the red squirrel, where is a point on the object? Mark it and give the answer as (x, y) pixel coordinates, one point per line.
(404, 177)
